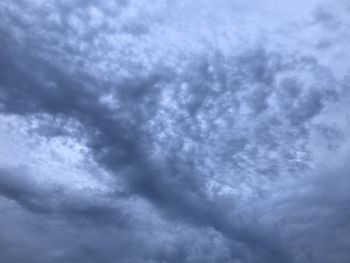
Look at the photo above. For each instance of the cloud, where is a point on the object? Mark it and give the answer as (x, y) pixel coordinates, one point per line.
(206, 142)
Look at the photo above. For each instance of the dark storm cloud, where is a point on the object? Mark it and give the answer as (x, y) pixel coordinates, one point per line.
(226, 118)
(118, 145)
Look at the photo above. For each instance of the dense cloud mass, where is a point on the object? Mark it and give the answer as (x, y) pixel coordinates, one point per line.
(174, 131)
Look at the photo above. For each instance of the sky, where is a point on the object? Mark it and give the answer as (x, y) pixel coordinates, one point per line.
(137, 131)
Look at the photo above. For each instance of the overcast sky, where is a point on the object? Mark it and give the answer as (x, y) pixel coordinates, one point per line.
(174, 131)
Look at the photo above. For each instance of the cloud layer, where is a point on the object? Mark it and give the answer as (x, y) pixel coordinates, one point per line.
(174, 131)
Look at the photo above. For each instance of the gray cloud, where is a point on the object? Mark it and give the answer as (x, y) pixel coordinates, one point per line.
(208, 151)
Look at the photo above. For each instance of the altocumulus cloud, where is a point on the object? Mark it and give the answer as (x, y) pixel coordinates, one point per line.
(174, 131)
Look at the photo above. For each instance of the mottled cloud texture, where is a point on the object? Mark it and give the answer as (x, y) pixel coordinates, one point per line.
(174, 131)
